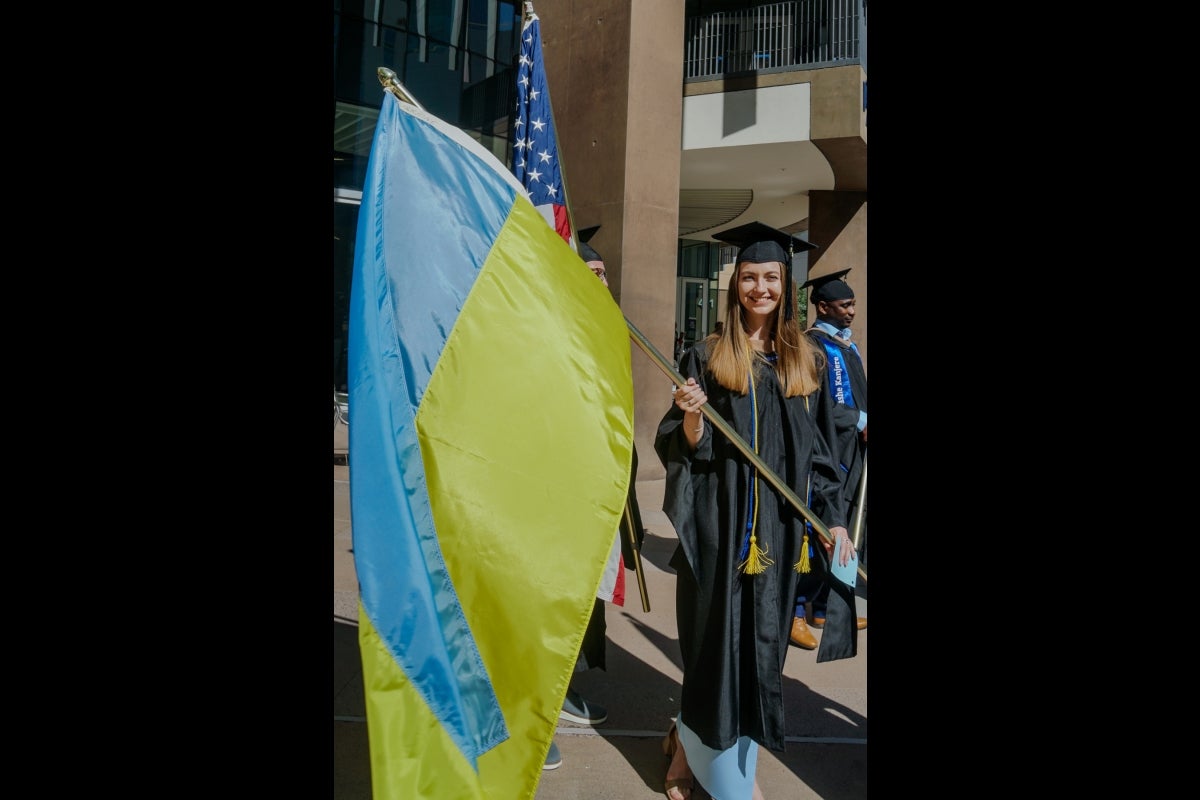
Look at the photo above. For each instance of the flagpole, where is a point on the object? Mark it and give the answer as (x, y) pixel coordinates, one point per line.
(720, 424)
(860, 507)
(637, 555)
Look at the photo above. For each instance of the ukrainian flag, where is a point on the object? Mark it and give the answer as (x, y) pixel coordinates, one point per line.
(491, 436)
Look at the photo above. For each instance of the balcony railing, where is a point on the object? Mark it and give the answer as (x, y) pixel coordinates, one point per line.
(802, 34)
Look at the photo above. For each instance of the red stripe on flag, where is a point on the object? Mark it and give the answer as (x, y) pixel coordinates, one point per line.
(562, 223)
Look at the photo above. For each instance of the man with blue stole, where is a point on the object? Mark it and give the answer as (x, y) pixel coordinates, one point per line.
(844, 392)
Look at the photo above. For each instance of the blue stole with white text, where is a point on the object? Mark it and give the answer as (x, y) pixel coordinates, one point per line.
(839, 379)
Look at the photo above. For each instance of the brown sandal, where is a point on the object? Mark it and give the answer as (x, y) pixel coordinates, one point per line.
(670, 744)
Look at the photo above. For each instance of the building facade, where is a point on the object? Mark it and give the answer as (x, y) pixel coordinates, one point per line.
(674, 121)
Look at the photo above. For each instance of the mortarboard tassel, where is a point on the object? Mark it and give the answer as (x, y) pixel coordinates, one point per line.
(802, 566)
(757, 562)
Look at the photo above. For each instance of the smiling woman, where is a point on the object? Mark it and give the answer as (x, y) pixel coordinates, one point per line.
(741, 552)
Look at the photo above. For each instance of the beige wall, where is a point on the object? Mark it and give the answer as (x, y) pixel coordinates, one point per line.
(838, 226)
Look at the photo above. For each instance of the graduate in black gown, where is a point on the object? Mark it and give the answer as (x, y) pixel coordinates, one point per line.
(845, 378)
(843, 398)
(740, 541)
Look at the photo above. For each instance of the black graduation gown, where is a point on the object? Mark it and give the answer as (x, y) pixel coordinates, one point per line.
(845, 441)
(733, 628)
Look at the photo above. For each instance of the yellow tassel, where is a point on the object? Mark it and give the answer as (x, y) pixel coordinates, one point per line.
(757, 562)
(802, 566)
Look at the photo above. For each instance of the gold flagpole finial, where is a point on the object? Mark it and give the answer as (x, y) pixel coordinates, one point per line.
(392, 84)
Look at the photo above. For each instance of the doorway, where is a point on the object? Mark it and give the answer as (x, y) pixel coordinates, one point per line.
(693, 308)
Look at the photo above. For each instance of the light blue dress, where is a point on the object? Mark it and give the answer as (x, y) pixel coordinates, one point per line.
(726, 774)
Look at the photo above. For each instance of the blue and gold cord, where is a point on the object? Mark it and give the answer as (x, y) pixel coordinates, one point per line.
(802, 566)
(754, 559)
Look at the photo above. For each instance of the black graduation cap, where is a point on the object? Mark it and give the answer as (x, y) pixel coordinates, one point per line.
(829, 287)
(759, 243)
(585, 250)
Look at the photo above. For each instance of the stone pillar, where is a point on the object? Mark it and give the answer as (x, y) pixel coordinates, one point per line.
(837, 224)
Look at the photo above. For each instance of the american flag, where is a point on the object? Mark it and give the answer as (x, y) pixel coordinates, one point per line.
(535, 150)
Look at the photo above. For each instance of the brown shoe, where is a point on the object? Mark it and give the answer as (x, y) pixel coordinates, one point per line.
(801, 635)
(818, 621)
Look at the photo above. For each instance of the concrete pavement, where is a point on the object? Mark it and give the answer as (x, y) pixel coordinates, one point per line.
(826, 704)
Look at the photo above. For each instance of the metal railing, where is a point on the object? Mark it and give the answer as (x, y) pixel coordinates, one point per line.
(801, 34)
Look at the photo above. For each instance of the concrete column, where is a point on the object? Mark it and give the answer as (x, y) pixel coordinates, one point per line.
(838, 226)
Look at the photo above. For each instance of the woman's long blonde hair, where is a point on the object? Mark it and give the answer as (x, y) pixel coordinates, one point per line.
(731, 359)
